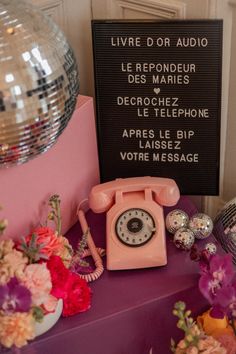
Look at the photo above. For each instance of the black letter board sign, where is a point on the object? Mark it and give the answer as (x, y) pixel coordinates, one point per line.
(158, 97)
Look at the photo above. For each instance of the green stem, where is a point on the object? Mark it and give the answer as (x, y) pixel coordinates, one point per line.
(54, 202)
(59, 224)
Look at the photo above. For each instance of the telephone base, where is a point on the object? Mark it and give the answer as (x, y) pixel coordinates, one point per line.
(122, 266)
(123, 260)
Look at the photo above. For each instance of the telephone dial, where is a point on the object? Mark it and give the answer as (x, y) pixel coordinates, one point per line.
(135, 227)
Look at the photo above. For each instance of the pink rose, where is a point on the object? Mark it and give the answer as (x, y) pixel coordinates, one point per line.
(48, 238)
(38, 280)
(50, 304)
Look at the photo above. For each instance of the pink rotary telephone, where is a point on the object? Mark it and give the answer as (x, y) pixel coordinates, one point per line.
(135, 230)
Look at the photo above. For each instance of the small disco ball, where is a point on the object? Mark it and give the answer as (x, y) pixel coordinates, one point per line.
(201, 225)
(225, 228)
(176, 219)
(184, 238)
(38, 82)
(211, 248)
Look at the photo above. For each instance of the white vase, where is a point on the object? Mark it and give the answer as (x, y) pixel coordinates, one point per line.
(49, 320)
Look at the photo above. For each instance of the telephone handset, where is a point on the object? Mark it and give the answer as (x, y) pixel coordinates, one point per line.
(135, 230)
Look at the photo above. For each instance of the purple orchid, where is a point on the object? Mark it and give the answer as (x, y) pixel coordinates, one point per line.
(14, 297)
(204, 262)
(225, 301)
(202, 257)
(217, 276)
(217, 311)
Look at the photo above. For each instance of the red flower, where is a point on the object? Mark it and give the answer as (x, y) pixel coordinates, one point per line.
(69, 286)
(78, 298)
(59, 276)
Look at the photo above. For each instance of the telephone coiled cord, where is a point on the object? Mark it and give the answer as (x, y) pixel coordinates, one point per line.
(99, 267)
(92, 250)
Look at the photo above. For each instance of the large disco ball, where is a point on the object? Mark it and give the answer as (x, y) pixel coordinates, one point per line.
(38, 82)
(225, 228)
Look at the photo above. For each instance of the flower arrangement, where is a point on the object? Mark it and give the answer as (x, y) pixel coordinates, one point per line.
(214, 331)
(34, 274)
(195, 340)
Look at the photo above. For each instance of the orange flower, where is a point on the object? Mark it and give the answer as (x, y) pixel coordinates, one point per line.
(48, 238)
(16, 329)
(214, 326)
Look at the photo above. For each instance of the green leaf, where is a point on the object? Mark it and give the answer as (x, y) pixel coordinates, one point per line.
(32, 250)
(38, 314)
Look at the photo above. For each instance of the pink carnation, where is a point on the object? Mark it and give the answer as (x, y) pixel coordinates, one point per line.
(38, 280)
(228, 342)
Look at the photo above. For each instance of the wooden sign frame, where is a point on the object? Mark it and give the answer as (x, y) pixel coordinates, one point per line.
(158, 100)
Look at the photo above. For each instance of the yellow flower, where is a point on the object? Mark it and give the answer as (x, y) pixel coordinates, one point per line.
(12, 264)
(195, 331)
(16, 329)
(214, 326)
(4, 273)
(189, 338)
(6, 247)
(65, 251)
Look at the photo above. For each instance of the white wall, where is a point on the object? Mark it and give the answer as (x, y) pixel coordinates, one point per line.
(74, 16)
(229, 188)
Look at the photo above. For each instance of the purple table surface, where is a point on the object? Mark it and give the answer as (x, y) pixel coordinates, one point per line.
(131, 310)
